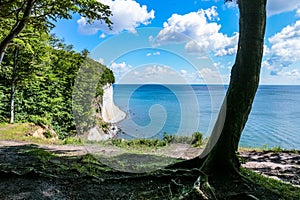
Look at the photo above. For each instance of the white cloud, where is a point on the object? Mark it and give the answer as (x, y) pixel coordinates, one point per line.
(205, 76)
(284, 76)
(279, 6)
(205, 34)
(211, 76)
(212, 13)
(101, 61)
(157, 53)
(298, 13)
(293, 73)
(102, 35)
(153, 74)
(285, 48)
(120, 69)
(127, 15)
(230, 4)
(183, 72)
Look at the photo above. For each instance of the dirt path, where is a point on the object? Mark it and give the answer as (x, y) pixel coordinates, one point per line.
(283, 166)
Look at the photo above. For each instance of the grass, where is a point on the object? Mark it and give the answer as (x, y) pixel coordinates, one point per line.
(266, 148)
(91, 166)
(73, 140)
(152, 143)
(284, 190)
(19, 132)
(41, 154)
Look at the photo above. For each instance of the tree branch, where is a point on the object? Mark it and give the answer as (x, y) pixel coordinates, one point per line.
(18, 27)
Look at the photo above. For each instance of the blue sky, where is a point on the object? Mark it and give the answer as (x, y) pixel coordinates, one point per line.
(185, 41)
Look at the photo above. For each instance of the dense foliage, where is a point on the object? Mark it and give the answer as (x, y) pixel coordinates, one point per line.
(38, 71)
(43, 72)
(15, 15)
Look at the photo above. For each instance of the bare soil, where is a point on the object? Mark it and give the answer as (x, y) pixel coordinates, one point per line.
(27, 176)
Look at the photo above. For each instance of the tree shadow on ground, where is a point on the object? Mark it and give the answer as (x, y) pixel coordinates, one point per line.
(31, 172)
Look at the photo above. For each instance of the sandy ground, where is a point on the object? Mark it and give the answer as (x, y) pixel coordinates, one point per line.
(283, 166)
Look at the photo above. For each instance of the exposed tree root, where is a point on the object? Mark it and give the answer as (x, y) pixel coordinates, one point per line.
(200, 190)
(188, 164)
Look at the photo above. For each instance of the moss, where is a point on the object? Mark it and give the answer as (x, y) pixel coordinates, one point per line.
(284, 190)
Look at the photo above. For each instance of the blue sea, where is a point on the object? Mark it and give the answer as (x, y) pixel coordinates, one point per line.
(153, 109)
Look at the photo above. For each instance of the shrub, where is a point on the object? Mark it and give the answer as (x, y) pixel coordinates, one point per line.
(197, 139)
(73, 140)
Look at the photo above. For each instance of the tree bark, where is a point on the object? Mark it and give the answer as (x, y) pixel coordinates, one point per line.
(222, 159)
(18, 27)
(12, 103)
(13, 87)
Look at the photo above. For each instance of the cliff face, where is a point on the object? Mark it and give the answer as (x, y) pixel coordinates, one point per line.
(109, 115)
(110, 112)
(93, 108)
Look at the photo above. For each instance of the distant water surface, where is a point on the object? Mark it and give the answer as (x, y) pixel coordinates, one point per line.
(185, 109)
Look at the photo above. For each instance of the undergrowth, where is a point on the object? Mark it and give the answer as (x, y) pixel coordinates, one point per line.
(196, 140)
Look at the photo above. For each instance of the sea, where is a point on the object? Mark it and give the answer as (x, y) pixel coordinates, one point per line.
(155, 109)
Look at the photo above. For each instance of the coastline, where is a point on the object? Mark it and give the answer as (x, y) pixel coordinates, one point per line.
(110, 112)
(110, 115)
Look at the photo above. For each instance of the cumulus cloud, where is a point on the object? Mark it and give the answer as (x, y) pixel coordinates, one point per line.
(204, 76)
(127, 15)
(200, 32)
(298, 13)
(279, 6)
(119, 69)
(211, 76)
(285, 48)
(290, 73)
(212, 13)
(153, 74)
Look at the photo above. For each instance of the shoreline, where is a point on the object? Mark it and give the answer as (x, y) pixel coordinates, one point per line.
(110, 112)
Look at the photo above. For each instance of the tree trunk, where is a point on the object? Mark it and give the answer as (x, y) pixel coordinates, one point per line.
(222, 159)
(13, 86)
(18, 27)
(12, 103)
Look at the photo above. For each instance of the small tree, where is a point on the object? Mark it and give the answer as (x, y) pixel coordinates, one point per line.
(25, 57)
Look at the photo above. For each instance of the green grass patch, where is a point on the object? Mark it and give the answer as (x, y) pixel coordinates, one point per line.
(284, 190)
(73, 140)
(41, 154)
(266, 148)
(196, 140)
(19, 132)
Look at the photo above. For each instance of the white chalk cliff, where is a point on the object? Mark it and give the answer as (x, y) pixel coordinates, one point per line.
(110, 112)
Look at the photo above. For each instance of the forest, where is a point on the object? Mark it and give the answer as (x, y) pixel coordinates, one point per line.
(37, 80)
(38, 70)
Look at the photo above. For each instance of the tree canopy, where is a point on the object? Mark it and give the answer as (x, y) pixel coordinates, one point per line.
(41, 15)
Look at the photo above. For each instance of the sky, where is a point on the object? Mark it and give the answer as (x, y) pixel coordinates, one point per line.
(193, 41)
